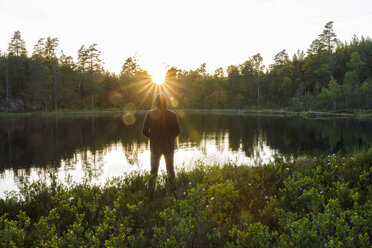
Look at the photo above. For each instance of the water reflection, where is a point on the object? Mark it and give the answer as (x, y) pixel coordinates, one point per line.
(33, 148)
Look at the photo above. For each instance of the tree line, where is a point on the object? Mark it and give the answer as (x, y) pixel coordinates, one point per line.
(330, 75)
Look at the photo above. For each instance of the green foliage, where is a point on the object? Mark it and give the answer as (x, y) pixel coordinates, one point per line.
(223, 204)
(366, 92)
(356, 64)
(323, 209)
(333, 92)
(332, 75)
(186, 223)
(17, 46)
(255, 235)
(282, 204)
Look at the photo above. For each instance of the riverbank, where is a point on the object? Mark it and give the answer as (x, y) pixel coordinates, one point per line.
(357, 114)
(282, 112)
(319, 203)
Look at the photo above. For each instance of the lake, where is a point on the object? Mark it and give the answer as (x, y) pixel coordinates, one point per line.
(105, 146)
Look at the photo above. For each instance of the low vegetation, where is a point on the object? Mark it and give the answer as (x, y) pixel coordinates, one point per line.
(322, 202)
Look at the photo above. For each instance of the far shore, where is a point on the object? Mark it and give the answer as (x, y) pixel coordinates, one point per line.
(357, 114)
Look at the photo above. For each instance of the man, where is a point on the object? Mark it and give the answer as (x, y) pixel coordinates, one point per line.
(162, 127)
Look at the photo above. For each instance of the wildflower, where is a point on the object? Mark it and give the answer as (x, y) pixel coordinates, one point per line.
(184, 193)
(212, 198)
(190, 183)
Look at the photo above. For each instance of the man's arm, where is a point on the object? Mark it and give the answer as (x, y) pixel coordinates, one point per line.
(146, 126)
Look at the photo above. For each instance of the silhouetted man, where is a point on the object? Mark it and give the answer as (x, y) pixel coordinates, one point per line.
(162, 127)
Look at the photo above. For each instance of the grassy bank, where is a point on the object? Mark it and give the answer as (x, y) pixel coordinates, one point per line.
(363, 114)
(322, 203)
(288, 112)
(67, 112)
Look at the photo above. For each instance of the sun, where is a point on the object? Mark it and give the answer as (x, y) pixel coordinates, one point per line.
(149, 88)
(158, 77)
(158, 73)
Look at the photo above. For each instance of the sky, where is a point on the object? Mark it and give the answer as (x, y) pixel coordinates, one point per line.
(182, 33)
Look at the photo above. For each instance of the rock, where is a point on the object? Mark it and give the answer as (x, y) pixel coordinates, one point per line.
(12, 105)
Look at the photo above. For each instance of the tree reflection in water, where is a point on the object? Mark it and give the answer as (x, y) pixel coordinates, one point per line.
(33, 148)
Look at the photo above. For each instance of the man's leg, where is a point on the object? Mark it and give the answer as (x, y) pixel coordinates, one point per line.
(169, 157)
(170, 169)
(155, 159)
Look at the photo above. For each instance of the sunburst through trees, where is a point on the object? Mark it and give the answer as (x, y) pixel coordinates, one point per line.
(141, 89)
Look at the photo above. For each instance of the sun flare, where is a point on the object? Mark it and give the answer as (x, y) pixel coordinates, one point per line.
(158, 73)
(158, 77)
(149, 88)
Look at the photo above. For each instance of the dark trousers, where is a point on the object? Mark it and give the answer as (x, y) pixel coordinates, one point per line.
(155, 159)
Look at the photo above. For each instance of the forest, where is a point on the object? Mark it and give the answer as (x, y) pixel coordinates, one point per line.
(330, 75)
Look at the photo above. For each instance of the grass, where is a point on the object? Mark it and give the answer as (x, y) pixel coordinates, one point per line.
(358, 114)
(319, 203)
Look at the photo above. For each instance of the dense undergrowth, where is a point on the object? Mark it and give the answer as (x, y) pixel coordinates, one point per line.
(325, 203)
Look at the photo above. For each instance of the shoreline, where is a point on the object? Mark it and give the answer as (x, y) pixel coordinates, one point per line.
(366, 114)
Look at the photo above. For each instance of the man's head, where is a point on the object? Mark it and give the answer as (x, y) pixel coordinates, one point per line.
(161, 101)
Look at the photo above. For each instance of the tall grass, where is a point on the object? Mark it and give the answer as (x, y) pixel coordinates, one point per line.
(324, 203)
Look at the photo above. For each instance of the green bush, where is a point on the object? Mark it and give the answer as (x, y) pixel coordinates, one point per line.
(283, 204)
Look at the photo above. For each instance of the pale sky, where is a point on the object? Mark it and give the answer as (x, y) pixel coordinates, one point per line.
(182, 33)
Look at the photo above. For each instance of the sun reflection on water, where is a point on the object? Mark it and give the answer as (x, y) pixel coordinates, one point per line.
(118, 160)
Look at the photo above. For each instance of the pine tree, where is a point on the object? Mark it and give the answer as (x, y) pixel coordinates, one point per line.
(17, 46)
(90, 64)
(328, 38)
(334, 91)
(38, 52)
(130, 67)
(94, 61)
(45, 52)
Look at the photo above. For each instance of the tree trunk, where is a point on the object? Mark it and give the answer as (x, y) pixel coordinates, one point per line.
(45, 105)
(55, 87)
(367, 101)
(6, 79)
(92, 102)
(93, 129)
(258, 91)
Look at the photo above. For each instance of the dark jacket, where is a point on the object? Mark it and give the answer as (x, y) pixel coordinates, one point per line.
(162, 127)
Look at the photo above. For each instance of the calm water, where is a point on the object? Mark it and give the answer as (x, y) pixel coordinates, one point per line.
(34, 148)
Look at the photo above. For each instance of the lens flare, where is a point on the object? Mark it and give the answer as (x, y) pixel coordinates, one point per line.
(173, 101)
(129, 119)
(130, 107)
